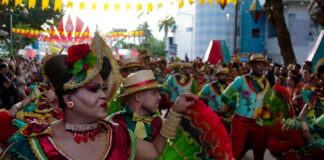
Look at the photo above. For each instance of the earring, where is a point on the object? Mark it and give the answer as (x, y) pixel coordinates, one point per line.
(70, 104)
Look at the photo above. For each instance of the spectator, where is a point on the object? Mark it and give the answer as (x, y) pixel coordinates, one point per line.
(6, 95)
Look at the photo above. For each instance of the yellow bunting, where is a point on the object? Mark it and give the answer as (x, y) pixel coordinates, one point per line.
(201, 2)
(233, 1)
(136, 33)
(69, 4)
(22, 31)
(18, 3)
(36, 32)
(5, 2)
(13, 30)
(119, 33)
(141, 33)
(77, 34)
(85, 34)
(159, 5)
(32, 32)
(116, 6)
(139, 6)
(31, 4)
(58, 5)
(191, 2)
(210, 2)
(150, 7)
(94, 6)
(45, 4)
(128, 6)
(81, 5)
(106, 6)
(54, 33)
(181, 3)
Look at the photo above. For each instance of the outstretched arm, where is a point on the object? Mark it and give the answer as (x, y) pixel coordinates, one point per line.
(152, 150)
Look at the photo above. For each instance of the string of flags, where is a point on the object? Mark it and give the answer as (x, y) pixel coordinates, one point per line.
(54, 35)
(113, 6)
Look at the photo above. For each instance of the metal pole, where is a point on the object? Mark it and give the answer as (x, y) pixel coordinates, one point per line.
(235, 28)
(192, 36)
(11, 39)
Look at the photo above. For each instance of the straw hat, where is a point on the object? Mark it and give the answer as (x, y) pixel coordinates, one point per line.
(130, 62)
(319, 63)
(187, 65)
(138, 81)
(257, 57)
(222, 71)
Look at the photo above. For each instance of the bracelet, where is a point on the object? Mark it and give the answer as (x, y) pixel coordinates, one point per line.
(310, 106)
(18, 105)
(169, 128)
(304, 125)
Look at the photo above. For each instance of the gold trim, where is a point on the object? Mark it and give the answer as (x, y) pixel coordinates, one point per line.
(107, 145)
(20, 115)
(48, 130)
(34, 148)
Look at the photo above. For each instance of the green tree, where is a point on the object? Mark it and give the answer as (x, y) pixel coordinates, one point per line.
(35, 19)
(147, 33)
(166, 24)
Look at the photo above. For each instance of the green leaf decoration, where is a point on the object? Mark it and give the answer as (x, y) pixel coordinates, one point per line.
(91, 60)
(77, 67)
(79, 77)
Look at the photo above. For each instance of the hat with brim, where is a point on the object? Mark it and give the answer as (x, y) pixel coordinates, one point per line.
(139, 81)
(257, 58)
(222, 71)
(130, 62)
(319, 63)
(187, 65)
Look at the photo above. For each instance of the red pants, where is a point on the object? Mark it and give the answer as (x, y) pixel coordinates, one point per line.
(246, 134)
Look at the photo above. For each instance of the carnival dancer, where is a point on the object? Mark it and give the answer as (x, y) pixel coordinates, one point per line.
(181, 83)
(40, 99)
(254, 92)
(142, 94)
(198, 74)
(211, 95)
(84, 80)
(162, 71)
(129, 66)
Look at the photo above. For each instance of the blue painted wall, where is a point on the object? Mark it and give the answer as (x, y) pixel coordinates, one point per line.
(249, 44)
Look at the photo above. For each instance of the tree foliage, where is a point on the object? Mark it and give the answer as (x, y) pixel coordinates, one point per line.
(166, 24)
(33, 18)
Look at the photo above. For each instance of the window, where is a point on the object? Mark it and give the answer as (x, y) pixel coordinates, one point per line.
(255, 33)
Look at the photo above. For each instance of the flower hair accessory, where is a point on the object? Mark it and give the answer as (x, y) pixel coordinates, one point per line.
(79, 60)
(85, 63)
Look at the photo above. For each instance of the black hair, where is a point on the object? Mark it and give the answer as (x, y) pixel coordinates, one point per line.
(320, 71)
(57, 72)
(3, 65)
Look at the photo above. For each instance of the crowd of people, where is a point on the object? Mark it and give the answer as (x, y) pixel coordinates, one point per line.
(90, 104)
(15, 76)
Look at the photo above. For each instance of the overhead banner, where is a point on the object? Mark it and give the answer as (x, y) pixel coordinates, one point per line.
(116, 6)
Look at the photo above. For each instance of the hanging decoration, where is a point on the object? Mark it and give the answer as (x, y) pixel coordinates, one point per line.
(105, 6)
(256, 11)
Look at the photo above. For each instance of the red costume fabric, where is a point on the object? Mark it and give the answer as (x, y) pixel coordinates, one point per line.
(246, 134)
(214, 132)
